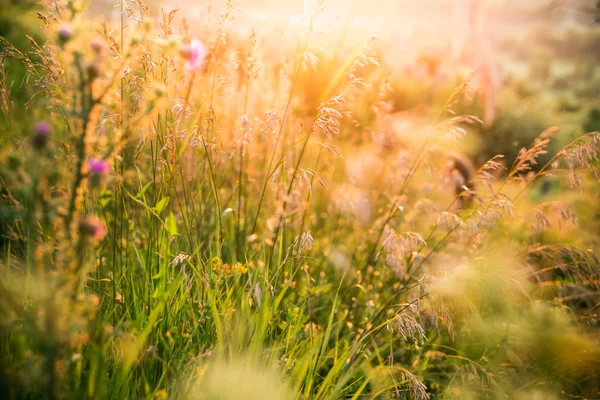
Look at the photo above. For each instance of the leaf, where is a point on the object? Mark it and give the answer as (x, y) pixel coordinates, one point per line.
(162, 204)
(171, 225)
(159, 275)
(106, 198)
(144, 190)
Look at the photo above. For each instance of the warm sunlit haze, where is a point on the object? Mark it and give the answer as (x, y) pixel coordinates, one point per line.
(321, 199)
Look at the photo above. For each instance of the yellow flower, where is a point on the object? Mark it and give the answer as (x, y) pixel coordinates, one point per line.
(238, 267)
(217, 264)
(227, 268)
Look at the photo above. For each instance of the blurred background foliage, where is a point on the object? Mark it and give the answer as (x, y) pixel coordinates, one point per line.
(18, 19)
(521, 325)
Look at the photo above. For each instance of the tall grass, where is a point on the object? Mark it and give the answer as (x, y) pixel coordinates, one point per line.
(190, 225)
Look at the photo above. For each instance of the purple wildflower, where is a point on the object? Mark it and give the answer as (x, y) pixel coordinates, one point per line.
(98, 166)
(42, 128)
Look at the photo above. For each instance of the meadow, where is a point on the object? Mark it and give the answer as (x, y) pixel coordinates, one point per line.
(192, 207)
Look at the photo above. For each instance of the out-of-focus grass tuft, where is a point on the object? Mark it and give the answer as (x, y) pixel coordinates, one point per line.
(192, 212)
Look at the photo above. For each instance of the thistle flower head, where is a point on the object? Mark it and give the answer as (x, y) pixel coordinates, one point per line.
(42, 128)
(93, 71)
(98, 166)
(92, 227)
(41, 135)
(65, 32)
(97, 45)
(195, 53)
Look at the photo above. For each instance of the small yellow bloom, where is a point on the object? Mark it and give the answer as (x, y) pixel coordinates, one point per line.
(217, 264)
(238, 267)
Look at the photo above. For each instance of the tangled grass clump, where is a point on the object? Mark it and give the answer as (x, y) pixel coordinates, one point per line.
(186, 224)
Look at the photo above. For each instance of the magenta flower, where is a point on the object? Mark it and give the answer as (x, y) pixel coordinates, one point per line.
(42, 128)
(98, 166)
(195, 53)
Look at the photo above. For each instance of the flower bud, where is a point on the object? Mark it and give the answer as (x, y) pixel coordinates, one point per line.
(65, 32)
(97, 45)
(93, 71)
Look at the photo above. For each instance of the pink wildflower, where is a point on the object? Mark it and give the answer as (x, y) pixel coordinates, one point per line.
(93, 228)
(195, 53)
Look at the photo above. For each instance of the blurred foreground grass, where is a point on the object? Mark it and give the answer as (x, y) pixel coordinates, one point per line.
(190, 214)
